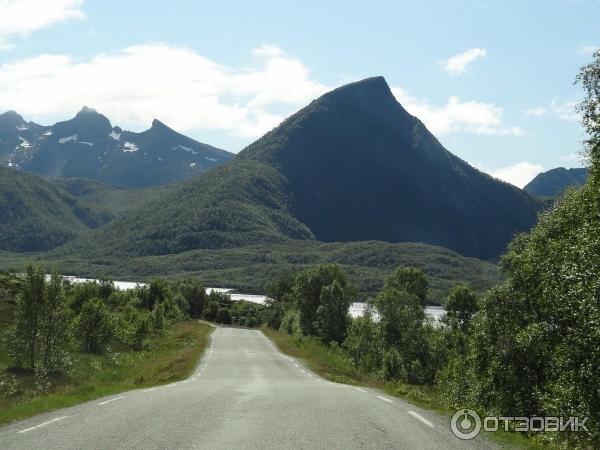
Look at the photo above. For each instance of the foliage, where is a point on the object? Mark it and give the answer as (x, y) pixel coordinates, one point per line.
(223, 316)
(533, 348)
(95, 326)
(38, 216)
(409, 279)
(331, 318)
(308, 288)
(41, 331)
(363, 344)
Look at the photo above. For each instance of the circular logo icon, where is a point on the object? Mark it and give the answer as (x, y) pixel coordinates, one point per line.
(465, 424)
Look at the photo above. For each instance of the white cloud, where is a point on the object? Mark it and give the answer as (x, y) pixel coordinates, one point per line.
(457, 64)
(564, 110)
(21, 17)
(457, 115)
(176, 85)
(518, 174)
(588, 49)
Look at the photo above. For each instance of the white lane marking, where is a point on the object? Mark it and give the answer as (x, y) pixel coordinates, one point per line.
(172, 384)
(360, 389)
(111, 400)
(296, 365)
(149, 390)
(302, 370)
(421, 418)
(56, 419)
(385, 399)
(309, 375)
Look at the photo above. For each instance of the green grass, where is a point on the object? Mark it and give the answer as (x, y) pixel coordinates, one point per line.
(173, 356)
(333, 365)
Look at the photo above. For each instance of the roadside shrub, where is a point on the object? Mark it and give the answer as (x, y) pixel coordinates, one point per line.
(224, 316)
(95, 326)
(291, 322)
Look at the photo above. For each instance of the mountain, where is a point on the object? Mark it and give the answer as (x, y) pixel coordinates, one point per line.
(553, 182)
(37, 215)
(351, 166)
(88, 146)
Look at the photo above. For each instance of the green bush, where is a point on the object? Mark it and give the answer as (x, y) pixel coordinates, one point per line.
(223, 316)
(95, 326)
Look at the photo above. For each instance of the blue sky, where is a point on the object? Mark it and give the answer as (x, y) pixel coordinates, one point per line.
(492, 79)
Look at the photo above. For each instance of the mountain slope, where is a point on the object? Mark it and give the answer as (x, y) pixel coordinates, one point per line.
(88, 146)
(360, 168)
(554, 182)
(37, 215)
(351, 166)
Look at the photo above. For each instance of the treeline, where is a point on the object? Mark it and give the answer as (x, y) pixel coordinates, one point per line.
(394, 340)
(53, 318)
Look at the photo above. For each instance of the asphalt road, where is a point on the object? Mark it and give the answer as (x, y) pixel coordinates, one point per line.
(244, 394)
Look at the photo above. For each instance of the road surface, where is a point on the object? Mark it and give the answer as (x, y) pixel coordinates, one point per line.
(244, 394)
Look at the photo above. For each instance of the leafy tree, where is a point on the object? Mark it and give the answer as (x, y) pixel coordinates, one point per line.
(157, 292)
(290, 323)
(307, 290)
(332, 319)
(409, 279)
(105, 289)
(401, 317)
(534, 346)
(211, 309)
(223, 316)
(282, 286)
(95, 326)
(363, 344)
(141, 331)
(55, 327)
(158, 317)
(194, 293)
(28, 318)
(461, 306)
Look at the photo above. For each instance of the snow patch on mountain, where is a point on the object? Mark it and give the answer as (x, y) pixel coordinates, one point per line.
(86, 143)
(130, 147)
(187, 149)
(68, 139)
(211, 159)
(116, 136)
(23, 127)
(24, 143)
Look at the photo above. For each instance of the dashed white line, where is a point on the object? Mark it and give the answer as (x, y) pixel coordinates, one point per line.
(296, 365)
(421, 418)
(385, 399)
(111, 400)
(171, 385)
(309, 375)
(56, 419)
(360, 389)
(150, 390)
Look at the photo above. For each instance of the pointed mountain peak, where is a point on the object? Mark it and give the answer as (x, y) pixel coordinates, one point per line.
(11, 118)
(90, 115)
(372, 88)
(158, 124)
(87, 110)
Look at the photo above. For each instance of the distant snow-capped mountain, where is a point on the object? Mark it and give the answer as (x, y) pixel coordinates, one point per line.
(89, 146)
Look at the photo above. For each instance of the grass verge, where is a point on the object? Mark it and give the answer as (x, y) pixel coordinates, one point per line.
(333, 365)
(172, 356)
